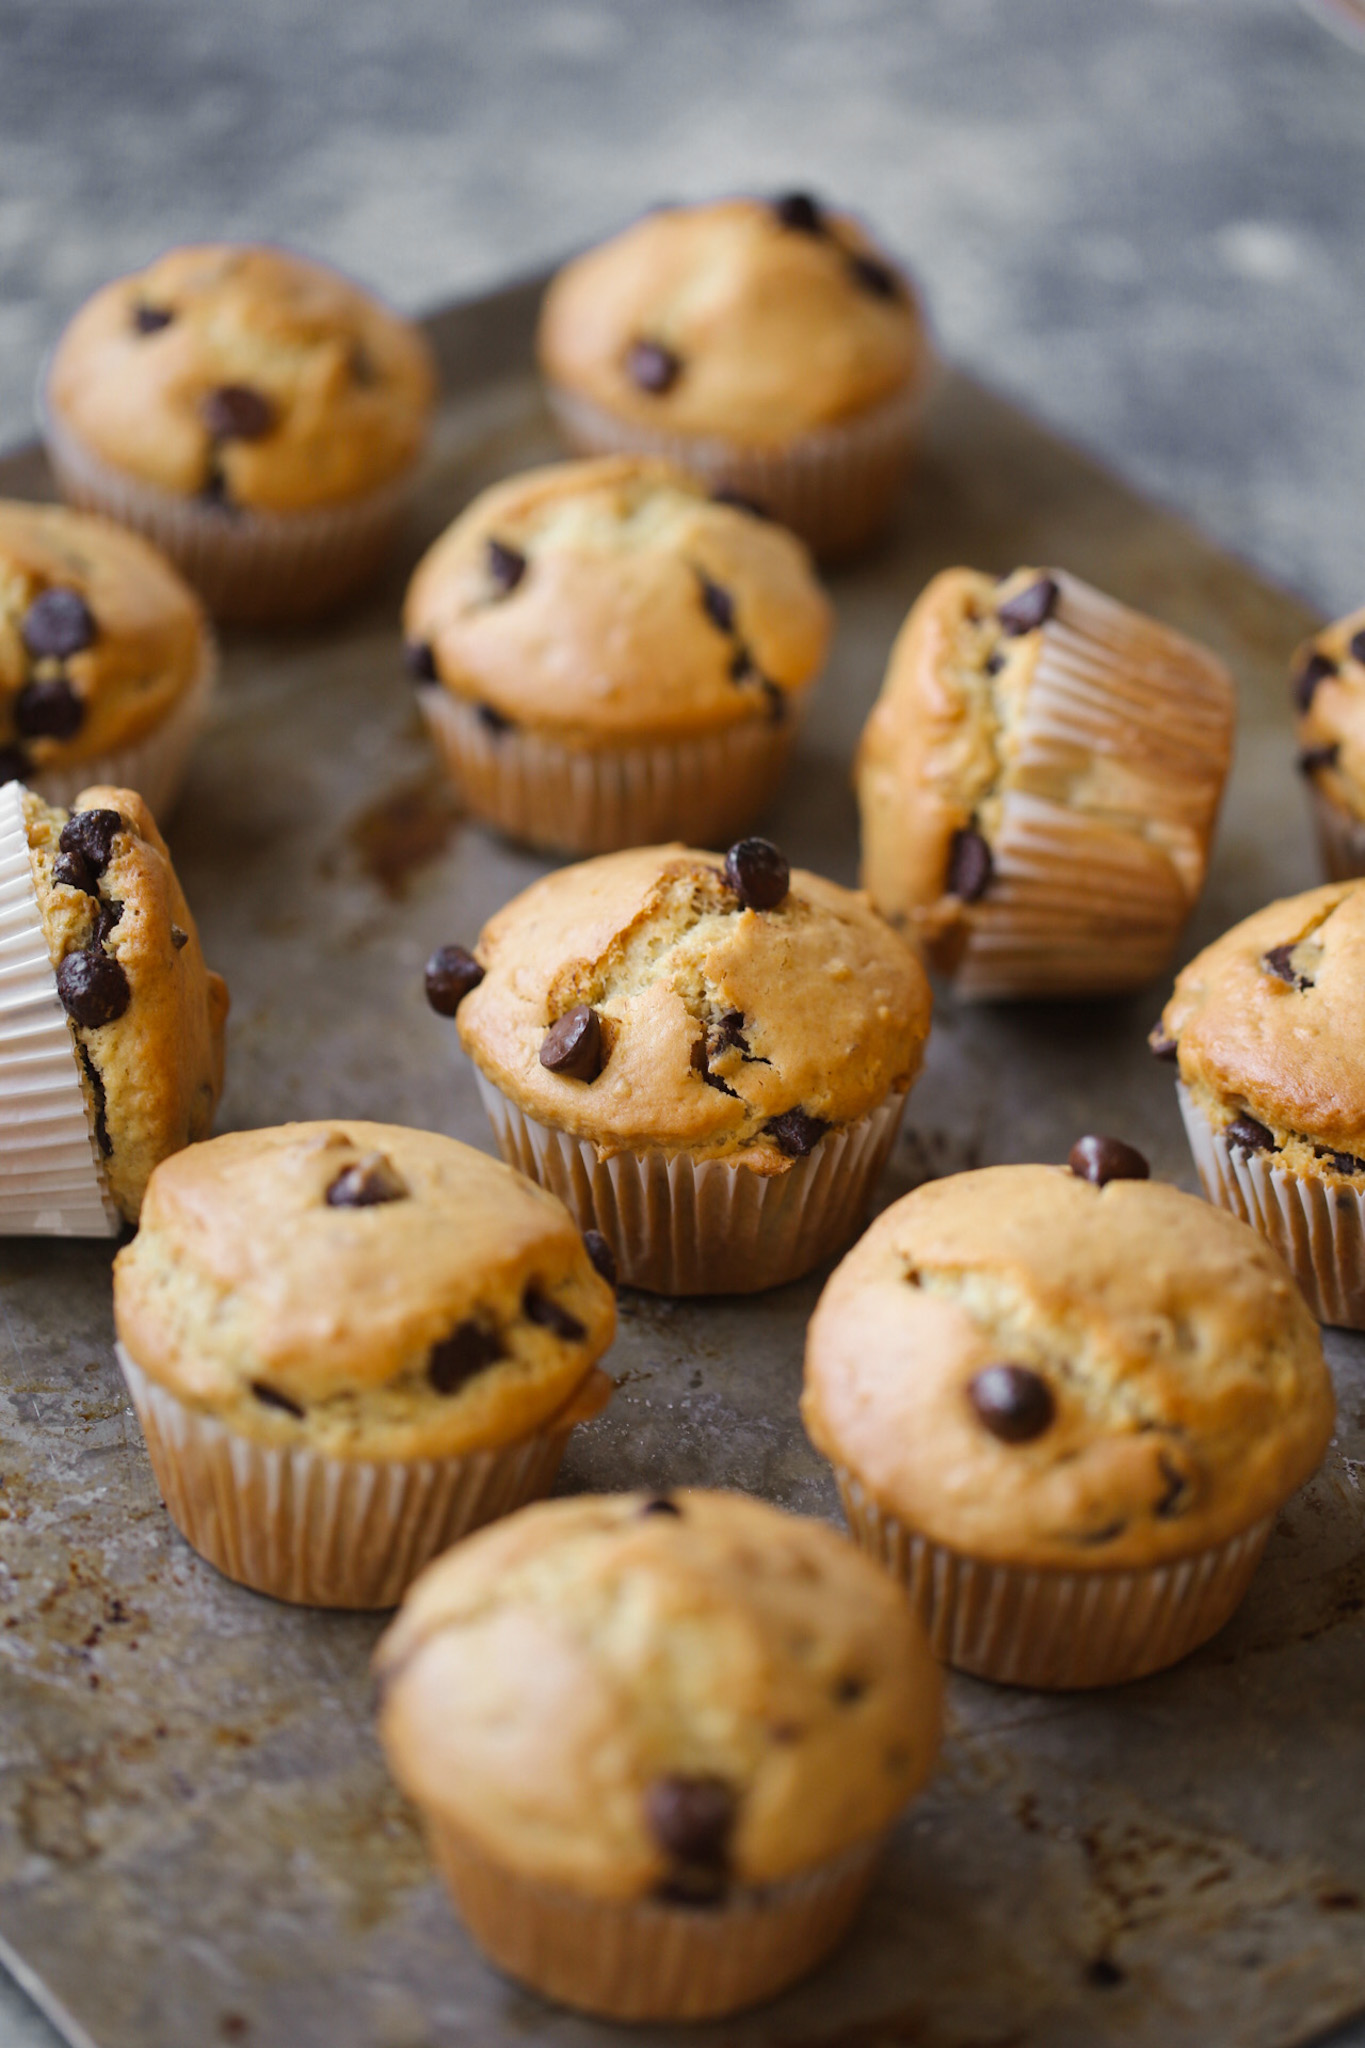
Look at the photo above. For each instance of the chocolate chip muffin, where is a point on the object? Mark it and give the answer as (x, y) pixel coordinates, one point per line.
(768, 345)
(111, 1026)
(106, 659)
(1265, 1027)
(257, 415)
(705, 1056)
(606, 657)
(348, 1344)
(657, 1743)
(1039, 782)
(1065, 1406)
(1328, 687)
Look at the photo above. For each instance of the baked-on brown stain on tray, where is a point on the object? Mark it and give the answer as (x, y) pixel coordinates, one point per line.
(404, 830)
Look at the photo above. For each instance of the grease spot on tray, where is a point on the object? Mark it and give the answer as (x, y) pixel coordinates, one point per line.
(403, 830)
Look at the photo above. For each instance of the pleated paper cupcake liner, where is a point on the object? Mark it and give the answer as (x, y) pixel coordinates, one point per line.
(679, 1225)
(647, 1959)
(1317, 1228)
(51, 1179)
(255, 568)
(334, 1532)
(838, 486)
(1048, 1627)
(154, 765)
(1341, 836)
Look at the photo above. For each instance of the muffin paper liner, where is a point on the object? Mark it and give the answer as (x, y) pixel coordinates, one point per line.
(334, 1532)
(256, 568)
(1317, 1228)
(154, 765)
(837, 486)
(647, 1959)
(704, 790)
(1081, 904)
(679, 1225)
(51, 1179)
(1052, 1628)
(1341, 835)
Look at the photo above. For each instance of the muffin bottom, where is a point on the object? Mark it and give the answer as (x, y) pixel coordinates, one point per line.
(647, 1959)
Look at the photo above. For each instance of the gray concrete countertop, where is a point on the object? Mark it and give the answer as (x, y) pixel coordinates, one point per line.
(1139, 221)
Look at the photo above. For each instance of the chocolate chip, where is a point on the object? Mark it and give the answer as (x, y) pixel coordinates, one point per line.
(235, 412)
(1014, 1402)
(1344, 1162)
(106, 918)
(1279, 962)
(875, 277)
(470, 1348)
(93, 988)
(371, 1180)
(91, 833)
(1312, 759)
(692, 1819)
(216, 490)
(971, 866)
(849, 1690)
(795, 1133)
(573, 1044)
(700, 1057)
(777, 702)
(725, 495)
(548, 1314)
(1160, 1044)
(1315, 670)
(179, 939)
(660, 1504)
(1029, 608)
(995, 661)
(652, 367)
(271, 1397)
(506, 565)
(601, 1254)
(718, 604)
(75, 872)
(151, 319)
(49, 710)
(1104, 1973)
(1175, 1489)
(420, 662)
(741, 665)
(1101, 1160)
(451, 974)
(728, 1030)
(1250, 1135)
(496, 721)
(1356, 650)
(13, 765)
(758, 873)
(799, 211)
(58, 623)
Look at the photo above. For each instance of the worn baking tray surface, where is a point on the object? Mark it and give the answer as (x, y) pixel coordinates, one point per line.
(198, 1842)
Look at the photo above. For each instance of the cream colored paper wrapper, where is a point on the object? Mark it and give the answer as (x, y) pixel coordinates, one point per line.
(837, 487)
(154, 766)
(684, 1226)
(51, 1181)
(1341, 836)
(648, 1960)
(1080, 905)
(257, 568)
(705, 791)
(333, 1532)
(1052, 1628)
(1317, 1228)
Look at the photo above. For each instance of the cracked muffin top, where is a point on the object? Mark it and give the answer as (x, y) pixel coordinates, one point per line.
(633, 1695)
(146, 1014)
(99, 638)
(246, 375)
(366, 1290)
(1329, 697)
(1266, 1025)
(1040, 1371)
(680, 1000)
(615, 598)
(753, 320)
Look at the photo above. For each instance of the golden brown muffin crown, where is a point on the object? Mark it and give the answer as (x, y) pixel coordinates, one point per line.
(628, 1693)
(1328, 686)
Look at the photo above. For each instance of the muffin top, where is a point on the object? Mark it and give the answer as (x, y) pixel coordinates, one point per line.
(369, 1291)
(1039, 1370)
(642, 1000)
(1329, 696)
(99, 638)
(630, 1695)
(146, 1014)
(1268, 1024)
(615, 598)
(248, 376)
(750, 320)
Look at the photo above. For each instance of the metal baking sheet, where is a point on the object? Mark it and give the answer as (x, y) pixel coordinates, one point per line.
(198, 1842)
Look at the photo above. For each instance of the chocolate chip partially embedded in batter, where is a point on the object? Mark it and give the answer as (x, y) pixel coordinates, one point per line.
(179, 939)
(470, 1348)
(1029, 608)
(1356, 650)
(573, 1044)
(1315, 670)
(728, 1030)
(271, 1397)
(995, 661)
(1161, 1045)
(237, 412)
(372, 1180)
(496, 721)
(875, 277)
(1176, 1489)
(58, 623)
(1014, 1402)
(91, 833)
(13, 765)
(1344, 1162)
(971, 866)
(741, 665)
(661, 1504)
(758, 873)
(151, 319)
(776, 699)
(93, 988)
(420, 662)
(548, 1314)
(799, 211)
(652, 367)
(718, 604)
(75, 872)
(1100, 1159)
(49, 710)
(1250, 1135)
(1312, 759)
(1279, 961)
(106, 918)
(601, 1254)
(692, 1819)
(506, 564)
(451, 973)
(795, 1133)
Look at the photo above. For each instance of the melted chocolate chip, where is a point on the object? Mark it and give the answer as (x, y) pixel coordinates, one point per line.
(506, 565)
(1014, 1402)
(700, 1056)
(1311, 759)
(795, 1133)
(1356, 650)
(799, 211)
(13, 765)
(1029, 608)
(1279, 961)
(758, 873)
(271, 1397)
(106, 918)
(74, 871)
(661, 1504)
(451, 973)
(1315, 670)
(151, 319)
(601, 1254)
(420, 662)
(372, 1180)
(100, 1100)
(652, 367)
(971, 866)
(726, 1031)
(874, 276)
(573, 1045)
(91, 833)
(725, 495)
(1160, 1044)
(718, 604)
(1250, 1135)
(692, 1819)
(58, 623)
(49, 710)
(1101, 1160)
(1344, 1162)
(236, 412)
(496, 722)
(470, 1348)
(179, 939)
(93, 988)
(548, 1314)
